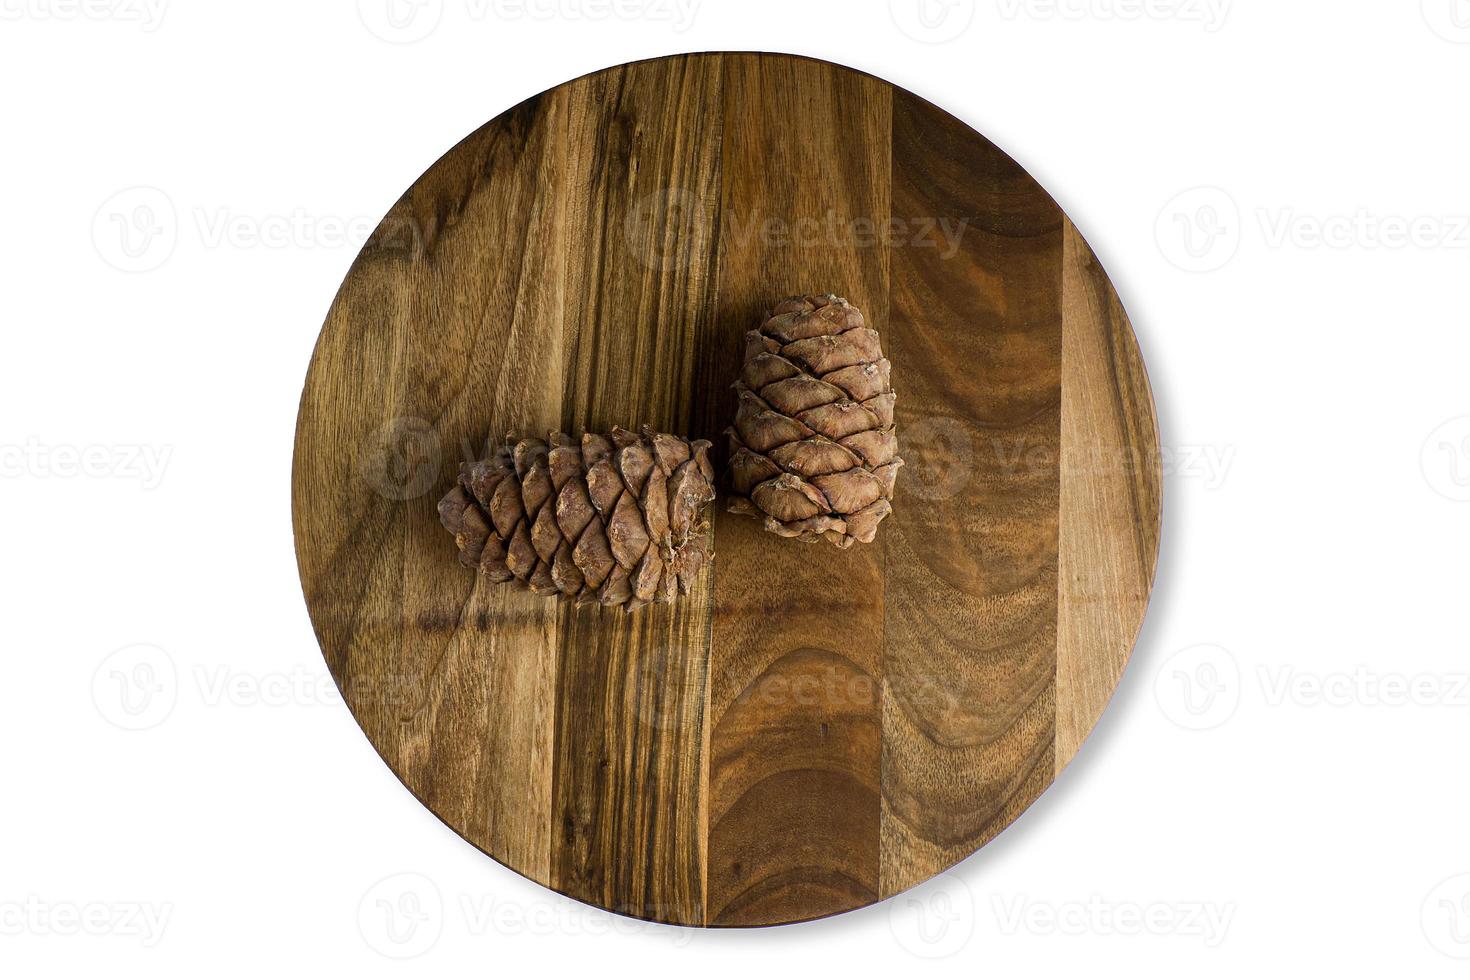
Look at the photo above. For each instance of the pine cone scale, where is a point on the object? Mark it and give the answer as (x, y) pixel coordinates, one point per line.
(655, 503)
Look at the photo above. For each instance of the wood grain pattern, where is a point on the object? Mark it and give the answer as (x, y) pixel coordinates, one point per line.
(812, 729)
(970, 644)
(630, 719)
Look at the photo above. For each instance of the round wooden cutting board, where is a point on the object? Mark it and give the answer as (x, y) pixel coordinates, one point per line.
(811, 730)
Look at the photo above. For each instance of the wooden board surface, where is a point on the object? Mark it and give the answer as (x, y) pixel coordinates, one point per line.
(812, 730)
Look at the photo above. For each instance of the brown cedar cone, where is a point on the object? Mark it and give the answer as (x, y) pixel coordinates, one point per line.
(621, 518)
(813, 452)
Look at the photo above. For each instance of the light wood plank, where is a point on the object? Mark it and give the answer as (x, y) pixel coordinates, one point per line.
(408, 378)
(1110, 500)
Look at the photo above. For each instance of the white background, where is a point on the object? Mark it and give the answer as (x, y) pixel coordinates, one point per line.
(1279, 191)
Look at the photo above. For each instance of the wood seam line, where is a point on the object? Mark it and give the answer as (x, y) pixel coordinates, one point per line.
(712, 291)
(882, 678)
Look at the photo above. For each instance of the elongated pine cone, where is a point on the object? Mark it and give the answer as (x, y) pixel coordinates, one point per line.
(621, 519)
(814, 452)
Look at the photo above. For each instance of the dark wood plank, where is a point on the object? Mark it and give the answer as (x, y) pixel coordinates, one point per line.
(970, 636)
(629, 789)
(794, 659)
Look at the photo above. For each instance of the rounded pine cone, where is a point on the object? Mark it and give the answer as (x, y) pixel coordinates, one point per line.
(814, 452)
(621, 519)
